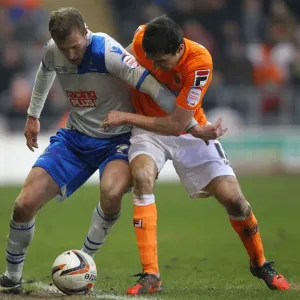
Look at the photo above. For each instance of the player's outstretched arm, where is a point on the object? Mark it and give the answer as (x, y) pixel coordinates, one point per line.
(188, 101)
(164, 125)
(124, 65)
(43, 82)
(174, 124)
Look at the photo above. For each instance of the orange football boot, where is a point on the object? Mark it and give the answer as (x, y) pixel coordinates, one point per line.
(146, 284)
(269, 275)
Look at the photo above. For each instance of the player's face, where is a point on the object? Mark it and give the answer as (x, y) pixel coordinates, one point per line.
(166, 62)
(73, 47)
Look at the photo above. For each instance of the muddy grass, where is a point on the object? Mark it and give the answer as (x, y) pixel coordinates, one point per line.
(33, 292)
(34, 296)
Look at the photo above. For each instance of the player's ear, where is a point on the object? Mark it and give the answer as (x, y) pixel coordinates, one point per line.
(181, 47)
(86, 30)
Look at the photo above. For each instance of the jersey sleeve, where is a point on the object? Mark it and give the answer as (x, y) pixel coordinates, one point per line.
(196, 84)
(48, 58)
(122, 64)
(42, 84)
(125, 66)
(43, 81)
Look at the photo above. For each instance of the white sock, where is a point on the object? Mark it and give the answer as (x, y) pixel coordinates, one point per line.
(100, 227)
(19, 238)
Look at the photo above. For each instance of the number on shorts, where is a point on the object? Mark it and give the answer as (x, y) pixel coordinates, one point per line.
(221, 153)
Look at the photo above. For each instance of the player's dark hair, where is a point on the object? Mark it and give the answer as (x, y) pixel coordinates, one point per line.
(162, 36)
(64, 21)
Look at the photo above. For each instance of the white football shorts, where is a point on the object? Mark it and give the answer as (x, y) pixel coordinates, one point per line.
(195, 163)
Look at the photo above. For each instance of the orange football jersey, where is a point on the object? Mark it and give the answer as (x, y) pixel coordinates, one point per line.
(189, 79)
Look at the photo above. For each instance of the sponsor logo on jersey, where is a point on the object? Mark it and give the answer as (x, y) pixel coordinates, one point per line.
(82, 98)
(194, 96)
(201, 77)
(130, 61)
(62, 69)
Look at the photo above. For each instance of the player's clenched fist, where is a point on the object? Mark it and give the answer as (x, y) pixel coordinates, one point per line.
(114, 118)
(32, 129)
(209, 131)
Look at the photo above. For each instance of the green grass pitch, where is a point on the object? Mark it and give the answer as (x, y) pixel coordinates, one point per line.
(200, 255)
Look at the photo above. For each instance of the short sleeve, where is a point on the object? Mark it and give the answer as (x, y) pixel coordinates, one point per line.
(196, 83)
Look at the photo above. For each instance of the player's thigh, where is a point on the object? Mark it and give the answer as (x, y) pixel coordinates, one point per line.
(38, 189)
(147, 158)
(64, 166)
(147, 151)
(197, 164)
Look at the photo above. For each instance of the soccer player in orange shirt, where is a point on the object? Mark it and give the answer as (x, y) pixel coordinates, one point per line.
(186, 68)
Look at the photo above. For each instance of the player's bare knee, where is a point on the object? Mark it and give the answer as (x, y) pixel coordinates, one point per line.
(143, 181)
(23, 210)
(227, 191)
(111, 198)
(236, 205)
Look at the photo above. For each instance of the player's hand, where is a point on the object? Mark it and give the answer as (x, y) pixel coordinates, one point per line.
(114, 118)
(209, 131)
(32, 129)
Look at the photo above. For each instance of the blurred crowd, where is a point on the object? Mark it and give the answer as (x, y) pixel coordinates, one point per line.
(23, 33)
(255, 46)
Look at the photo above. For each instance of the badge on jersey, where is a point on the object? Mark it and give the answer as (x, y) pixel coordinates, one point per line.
(201, 77)
(116, 49)
(130, 61)
(194, 96)
(122, 149)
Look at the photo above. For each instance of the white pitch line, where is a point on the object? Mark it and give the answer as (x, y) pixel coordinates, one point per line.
(46, 287)
(98, 295)
(107, 296)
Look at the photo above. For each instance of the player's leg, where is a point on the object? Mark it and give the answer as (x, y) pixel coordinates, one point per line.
(144, 172)
(147, 158)
(202, 167)
(115, 182)
(38, 189)
(58, 171)
(227, 191)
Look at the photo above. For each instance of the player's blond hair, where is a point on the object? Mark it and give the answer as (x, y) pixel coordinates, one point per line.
(64, 21)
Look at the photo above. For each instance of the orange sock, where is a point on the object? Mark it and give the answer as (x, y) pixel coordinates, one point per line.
(249, 234)
(144, 222)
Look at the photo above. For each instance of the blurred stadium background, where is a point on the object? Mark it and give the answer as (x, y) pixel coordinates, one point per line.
(255, 87)
(255, 46)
